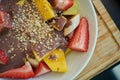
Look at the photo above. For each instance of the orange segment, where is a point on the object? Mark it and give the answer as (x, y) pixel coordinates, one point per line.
(56, 61)
(45, 9)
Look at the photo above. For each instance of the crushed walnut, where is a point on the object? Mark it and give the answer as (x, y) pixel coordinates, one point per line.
(31, 28)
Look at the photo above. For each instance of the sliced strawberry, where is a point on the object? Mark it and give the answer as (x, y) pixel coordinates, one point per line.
(80, 39)
(62, 4)
(42, 69)
(3, 57)
(25, 71)
(4, 21)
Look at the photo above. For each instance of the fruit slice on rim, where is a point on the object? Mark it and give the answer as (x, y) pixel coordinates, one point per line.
(73, 10)
(56, 61)
(80, 39)
(45, 9)
(72, 24)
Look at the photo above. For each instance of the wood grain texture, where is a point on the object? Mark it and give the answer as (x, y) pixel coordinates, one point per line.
(107, 19)
(107, 50)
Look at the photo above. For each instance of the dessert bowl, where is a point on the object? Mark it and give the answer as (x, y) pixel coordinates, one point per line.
(77, 61)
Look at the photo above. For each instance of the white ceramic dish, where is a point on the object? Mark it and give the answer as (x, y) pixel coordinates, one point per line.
(77, 61)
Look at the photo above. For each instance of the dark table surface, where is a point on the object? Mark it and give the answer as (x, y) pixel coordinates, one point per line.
(112, 73)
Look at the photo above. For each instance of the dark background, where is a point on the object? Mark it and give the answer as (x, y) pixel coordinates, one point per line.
(112, 73)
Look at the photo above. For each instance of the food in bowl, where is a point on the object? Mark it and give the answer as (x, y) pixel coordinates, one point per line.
(35, 36)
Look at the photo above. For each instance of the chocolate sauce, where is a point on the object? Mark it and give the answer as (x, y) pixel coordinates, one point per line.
(16, 43)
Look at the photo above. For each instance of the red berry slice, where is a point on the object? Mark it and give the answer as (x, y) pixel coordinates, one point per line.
(3, 57)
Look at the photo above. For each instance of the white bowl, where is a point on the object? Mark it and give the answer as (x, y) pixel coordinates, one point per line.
(77, 61)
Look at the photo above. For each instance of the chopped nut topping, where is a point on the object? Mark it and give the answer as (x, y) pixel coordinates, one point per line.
(30, 28)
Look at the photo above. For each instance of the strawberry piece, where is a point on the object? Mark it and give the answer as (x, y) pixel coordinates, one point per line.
(5, 21)
(3, 57)
(42, 69)
(62, 4)
(80, 39)
(25, 71)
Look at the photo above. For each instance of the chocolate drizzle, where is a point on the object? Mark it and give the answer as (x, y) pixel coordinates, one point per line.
(30, 32)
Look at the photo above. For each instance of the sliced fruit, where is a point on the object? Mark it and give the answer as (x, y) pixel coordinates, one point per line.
(5, 23)
(62, 4)
(38, 58)
(3, 57)
(56, 61)
(25, 71)
(67, 51)
(21, 2)
(42, 69)
(72, 24)
(73, 10)
(33, 62)
(59, 22)
(80, 39)
(45, 9)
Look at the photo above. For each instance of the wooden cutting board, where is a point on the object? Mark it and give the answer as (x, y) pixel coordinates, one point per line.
(107, 51)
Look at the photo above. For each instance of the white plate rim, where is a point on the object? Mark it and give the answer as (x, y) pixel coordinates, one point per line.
(92, 51)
